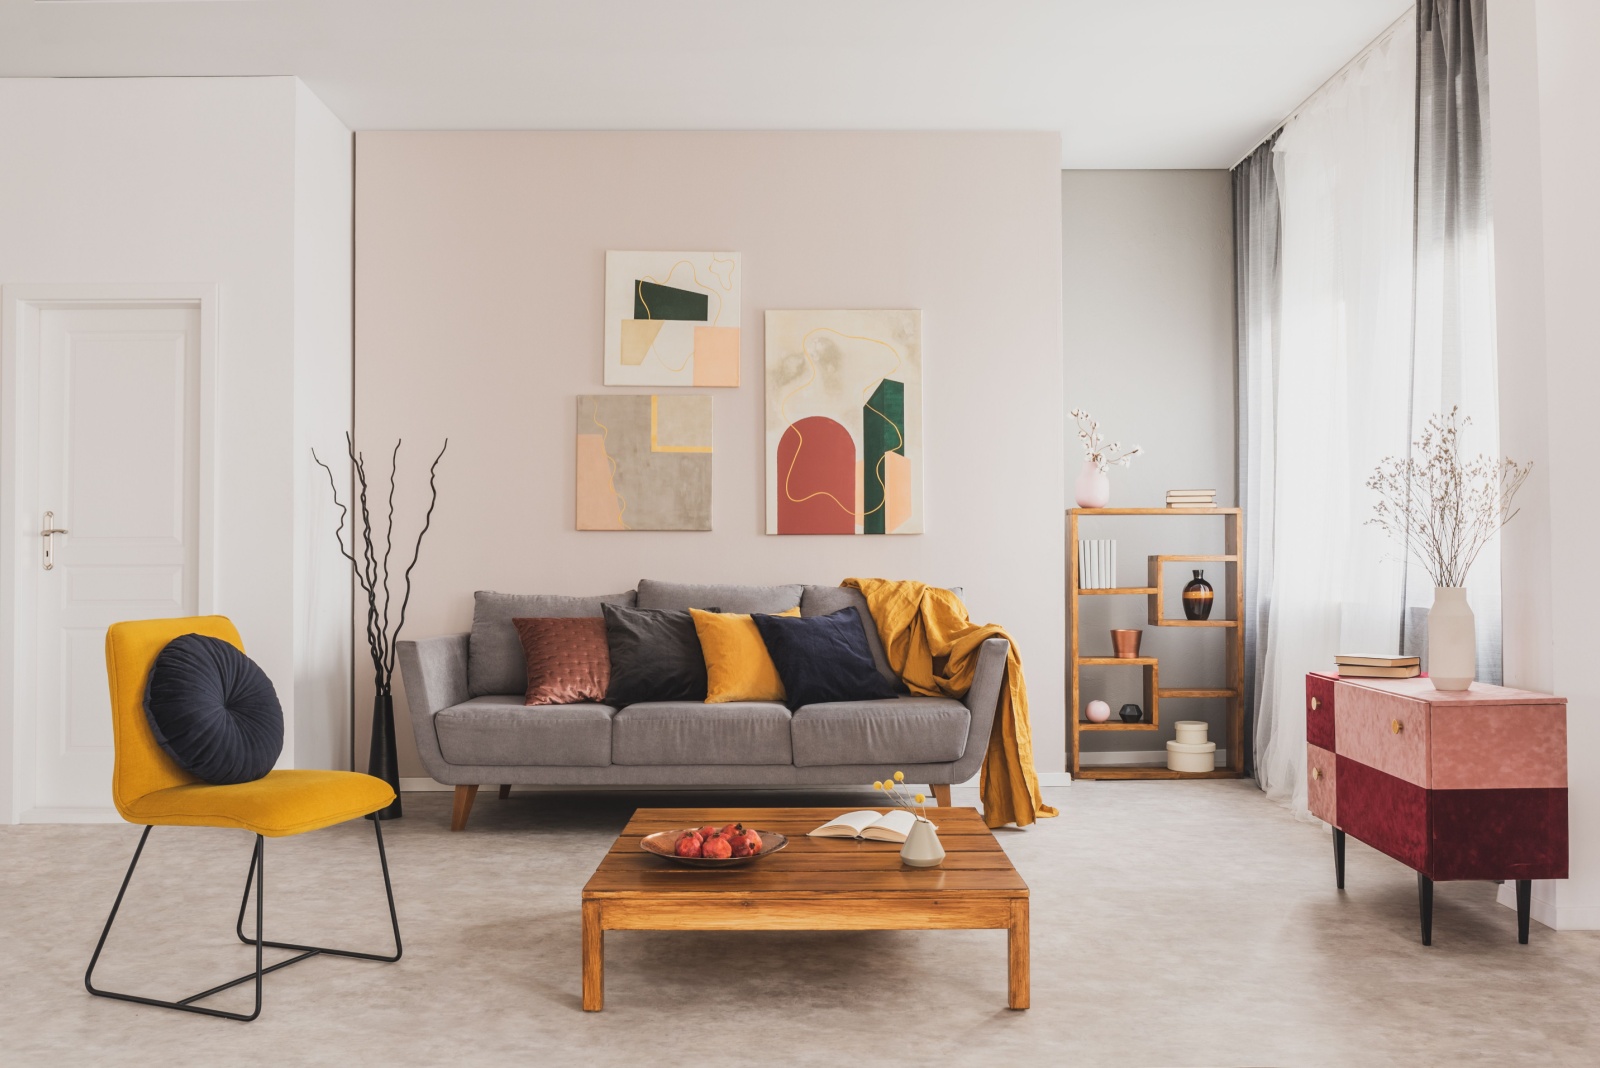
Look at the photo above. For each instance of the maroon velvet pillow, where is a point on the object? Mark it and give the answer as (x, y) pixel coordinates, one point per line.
(567, 659)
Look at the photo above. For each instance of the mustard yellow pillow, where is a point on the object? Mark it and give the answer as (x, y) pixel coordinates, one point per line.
(738, 667)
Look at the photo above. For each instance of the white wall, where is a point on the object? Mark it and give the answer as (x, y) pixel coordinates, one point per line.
(480, 266)
(202, 180)
(1147, 304)
(1547, 228)
(324, 192)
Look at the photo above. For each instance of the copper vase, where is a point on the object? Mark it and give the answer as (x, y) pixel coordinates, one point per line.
(1125, 644)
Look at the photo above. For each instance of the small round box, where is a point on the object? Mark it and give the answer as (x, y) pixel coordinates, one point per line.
(1190, 731)
(1182, 757)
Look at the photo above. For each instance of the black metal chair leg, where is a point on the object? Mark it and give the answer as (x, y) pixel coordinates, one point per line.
(257, 878)
(1338, 858)
(184, 1005)
(1524, 908)
(388, 890)
(1425, 904)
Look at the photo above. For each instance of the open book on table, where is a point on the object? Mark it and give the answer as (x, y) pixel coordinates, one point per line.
(892, 826)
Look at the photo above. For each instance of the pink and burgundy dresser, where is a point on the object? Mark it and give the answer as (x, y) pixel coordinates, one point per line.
(1468, 785)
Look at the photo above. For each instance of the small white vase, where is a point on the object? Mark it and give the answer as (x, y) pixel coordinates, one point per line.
(922, 848)
(1452, 639)
(1093, 488)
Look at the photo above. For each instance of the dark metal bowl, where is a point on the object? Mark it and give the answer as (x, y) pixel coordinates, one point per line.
(662, 842)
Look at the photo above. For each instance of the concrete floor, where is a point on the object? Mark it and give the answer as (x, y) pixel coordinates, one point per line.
(1186, 923)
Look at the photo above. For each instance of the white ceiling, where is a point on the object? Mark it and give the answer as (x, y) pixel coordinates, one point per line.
(1128, 83)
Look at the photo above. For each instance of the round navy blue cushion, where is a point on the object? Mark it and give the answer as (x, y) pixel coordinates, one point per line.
(214, 711)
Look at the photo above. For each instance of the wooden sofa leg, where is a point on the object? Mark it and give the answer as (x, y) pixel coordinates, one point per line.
(465, 795)
(505, 790)
(941, 794)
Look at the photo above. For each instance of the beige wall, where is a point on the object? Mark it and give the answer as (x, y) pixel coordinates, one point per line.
(1147, 274)
(480, 260)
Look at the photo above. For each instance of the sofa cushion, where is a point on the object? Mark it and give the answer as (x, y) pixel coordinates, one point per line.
(823, 658)
(568, 660)
(655, 656)
(499, 730)
(495, 664)
(689, 732)
(738, 666)
(826, 600)
(896, 731)
(686, 595)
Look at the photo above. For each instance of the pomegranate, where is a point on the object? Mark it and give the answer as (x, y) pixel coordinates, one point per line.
(689, 844)
(747, 844)
(717, 847)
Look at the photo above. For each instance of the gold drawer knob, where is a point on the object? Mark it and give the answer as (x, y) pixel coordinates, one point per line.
(1396, 726)
(1315, 704)
(1316, 773)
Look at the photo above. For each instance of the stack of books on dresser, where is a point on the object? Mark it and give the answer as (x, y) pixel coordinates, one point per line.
(1192, 498)
(1379, 667)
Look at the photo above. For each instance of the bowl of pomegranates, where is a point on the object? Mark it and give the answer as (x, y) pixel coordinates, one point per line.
(713, 847)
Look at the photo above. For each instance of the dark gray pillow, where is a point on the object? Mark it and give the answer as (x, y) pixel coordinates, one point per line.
(655, 656)
(213, 710)
(496, 663)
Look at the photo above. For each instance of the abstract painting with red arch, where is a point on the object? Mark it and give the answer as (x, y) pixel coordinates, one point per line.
(817, 463)
(844, 422)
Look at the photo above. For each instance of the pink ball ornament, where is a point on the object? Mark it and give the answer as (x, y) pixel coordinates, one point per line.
(1097, 712)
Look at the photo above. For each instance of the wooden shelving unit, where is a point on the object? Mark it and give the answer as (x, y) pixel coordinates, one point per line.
(1230, 598)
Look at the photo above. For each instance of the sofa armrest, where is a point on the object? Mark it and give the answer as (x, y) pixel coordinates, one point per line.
(983, 698)
(433, 673)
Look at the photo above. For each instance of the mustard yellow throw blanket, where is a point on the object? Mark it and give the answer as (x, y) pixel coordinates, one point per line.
(933, 646)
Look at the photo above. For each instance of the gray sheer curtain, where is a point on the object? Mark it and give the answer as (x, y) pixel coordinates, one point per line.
(1257, 245)
(1454, 361)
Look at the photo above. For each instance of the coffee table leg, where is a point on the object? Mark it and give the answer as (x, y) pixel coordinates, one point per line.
(1017, 956)
(594, 958)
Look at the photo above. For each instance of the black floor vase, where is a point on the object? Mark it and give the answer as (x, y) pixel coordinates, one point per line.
(382, 763)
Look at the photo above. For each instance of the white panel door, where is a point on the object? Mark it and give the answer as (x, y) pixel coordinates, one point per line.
(119, 467)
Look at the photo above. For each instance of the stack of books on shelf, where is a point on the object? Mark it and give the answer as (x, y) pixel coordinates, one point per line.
(1097, 564)
(1379, 667)
(1192, 498)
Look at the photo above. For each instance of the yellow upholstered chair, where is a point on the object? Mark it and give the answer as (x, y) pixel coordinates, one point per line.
(150, 789)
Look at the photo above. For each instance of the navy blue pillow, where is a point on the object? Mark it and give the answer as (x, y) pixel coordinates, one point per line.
(823, 658)
(214, 711)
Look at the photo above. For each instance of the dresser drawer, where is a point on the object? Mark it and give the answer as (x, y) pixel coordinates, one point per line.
(1384, 731)
(1319, 712)
(1388, 813)
(1322, 795)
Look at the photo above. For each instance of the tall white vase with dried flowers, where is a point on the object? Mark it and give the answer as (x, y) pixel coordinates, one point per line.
(922, 848)
(1443, 510)
(1093, 488)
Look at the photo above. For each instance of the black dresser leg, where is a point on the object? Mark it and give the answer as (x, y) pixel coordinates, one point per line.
(1425, 904)
(1524, 908)
(1338, 858)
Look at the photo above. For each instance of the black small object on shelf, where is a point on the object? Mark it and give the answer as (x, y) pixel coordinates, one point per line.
(1130, 713)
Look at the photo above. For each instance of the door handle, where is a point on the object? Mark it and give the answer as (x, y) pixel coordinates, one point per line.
(48, 533)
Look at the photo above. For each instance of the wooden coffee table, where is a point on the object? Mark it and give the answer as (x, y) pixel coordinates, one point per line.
(816, 884)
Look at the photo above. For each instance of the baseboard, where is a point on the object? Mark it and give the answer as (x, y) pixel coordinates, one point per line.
(422, 784)
(1545, 911)
(70, 815)
(1135, 756)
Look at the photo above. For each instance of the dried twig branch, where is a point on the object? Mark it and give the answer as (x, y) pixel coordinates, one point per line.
(1095, 449)
(1441, 509)
(370, 567)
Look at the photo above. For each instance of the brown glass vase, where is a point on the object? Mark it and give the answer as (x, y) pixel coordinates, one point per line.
(1197, 597)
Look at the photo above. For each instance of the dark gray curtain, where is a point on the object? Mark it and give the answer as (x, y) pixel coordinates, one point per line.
(1453, 341)
(1257, 243)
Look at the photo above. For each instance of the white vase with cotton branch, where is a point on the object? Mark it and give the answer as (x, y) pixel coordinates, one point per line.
(1093, 488)
(1444, 510)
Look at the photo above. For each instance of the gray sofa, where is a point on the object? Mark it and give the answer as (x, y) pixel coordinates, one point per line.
(465, 692)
